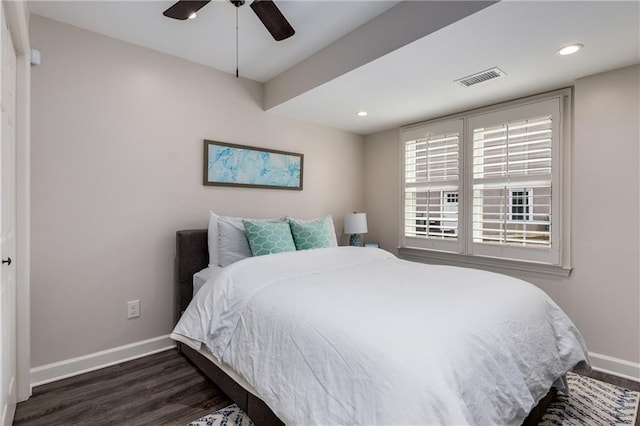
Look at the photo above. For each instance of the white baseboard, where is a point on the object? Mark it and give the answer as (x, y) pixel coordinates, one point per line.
(617, 367)
(95, 361)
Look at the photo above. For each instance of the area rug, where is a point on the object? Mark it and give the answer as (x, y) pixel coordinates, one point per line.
(228, 416)
(591, 402)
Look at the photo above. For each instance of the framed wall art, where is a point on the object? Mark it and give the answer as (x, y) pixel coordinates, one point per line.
(227, 164)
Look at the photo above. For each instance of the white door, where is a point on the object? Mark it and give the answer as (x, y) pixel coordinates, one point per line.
(7, 225)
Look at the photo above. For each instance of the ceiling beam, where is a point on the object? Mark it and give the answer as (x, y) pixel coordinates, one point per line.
(402, 24)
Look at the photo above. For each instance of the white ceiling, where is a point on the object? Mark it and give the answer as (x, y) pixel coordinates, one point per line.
(210, 39)
(412, 83)
(415, 82)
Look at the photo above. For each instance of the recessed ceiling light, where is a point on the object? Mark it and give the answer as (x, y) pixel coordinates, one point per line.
(569, 50)
(192, 16)
(362, 113)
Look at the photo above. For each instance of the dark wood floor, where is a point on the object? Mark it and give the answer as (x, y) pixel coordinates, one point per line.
(614, 380)
(161, 389)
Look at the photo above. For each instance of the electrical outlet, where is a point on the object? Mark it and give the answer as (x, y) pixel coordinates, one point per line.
(133, 309)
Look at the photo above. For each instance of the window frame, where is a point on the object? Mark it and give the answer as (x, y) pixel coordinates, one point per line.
(465, 253)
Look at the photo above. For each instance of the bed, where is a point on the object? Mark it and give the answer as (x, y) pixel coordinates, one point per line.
(317, 362)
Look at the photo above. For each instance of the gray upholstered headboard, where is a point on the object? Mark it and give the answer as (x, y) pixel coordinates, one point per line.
(192, 255)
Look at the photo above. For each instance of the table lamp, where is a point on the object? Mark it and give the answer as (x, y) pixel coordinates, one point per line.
(355, 224)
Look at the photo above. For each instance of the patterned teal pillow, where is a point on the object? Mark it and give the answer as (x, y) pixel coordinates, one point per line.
(312, 234)
(267, 238)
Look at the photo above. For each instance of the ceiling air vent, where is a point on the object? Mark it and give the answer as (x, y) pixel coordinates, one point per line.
(476, 78)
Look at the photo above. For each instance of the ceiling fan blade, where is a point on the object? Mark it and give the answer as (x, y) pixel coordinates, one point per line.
(184, 8)
(273, 19)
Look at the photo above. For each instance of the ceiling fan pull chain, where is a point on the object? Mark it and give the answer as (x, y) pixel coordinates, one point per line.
(265, 10)
(237, 74)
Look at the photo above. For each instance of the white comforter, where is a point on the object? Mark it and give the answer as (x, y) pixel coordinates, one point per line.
(356, 336)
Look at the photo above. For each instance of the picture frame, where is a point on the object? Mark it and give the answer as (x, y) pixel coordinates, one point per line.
(227, 164)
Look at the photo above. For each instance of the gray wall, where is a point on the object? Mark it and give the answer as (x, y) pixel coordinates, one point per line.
(116, 165)
(602, 295)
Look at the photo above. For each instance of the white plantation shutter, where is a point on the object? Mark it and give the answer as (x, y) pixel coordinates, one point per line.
(513, 176)
(431, 185)
(487, 183)
(502, 206)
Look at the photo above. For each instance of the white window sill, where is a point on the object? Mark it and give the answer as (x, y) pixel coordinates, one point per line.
(489, 263)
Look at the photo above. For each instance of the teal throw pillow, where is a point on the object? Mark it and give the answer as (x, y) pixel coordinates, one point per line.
(312, 234)
(268, 238)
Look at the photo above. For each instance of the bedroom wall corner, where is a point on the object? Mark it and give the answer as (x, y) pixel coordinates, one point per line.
(382, 188)
(117, 142)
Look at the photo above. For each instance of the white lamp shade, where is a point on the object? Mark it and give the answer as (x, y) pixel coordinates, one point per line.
(355, 223)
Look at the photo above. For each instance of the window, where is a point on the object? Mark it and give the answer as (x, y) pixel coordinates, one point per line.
(488, 183)
(431, 177)
(521, 205)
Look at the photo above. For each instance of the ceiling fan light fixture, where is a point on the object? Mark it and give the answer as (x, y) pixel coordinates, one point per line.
(569, 50)
(193, 15)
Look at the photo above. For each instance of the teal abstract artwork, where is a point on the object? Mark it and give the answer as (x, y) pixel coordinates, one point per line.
(240, 165)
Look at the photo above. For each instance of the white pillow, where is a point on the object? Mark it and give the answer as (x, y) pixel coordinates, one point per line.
(212, 239)
(232, 241)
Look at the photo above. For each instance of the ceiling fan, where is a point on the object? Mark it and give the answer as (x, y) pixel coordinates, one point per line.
(266, 10)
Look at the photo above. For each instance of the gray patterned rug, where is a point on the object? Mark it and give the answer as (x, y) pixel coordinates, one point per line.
(592, 403)
(228, 416)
